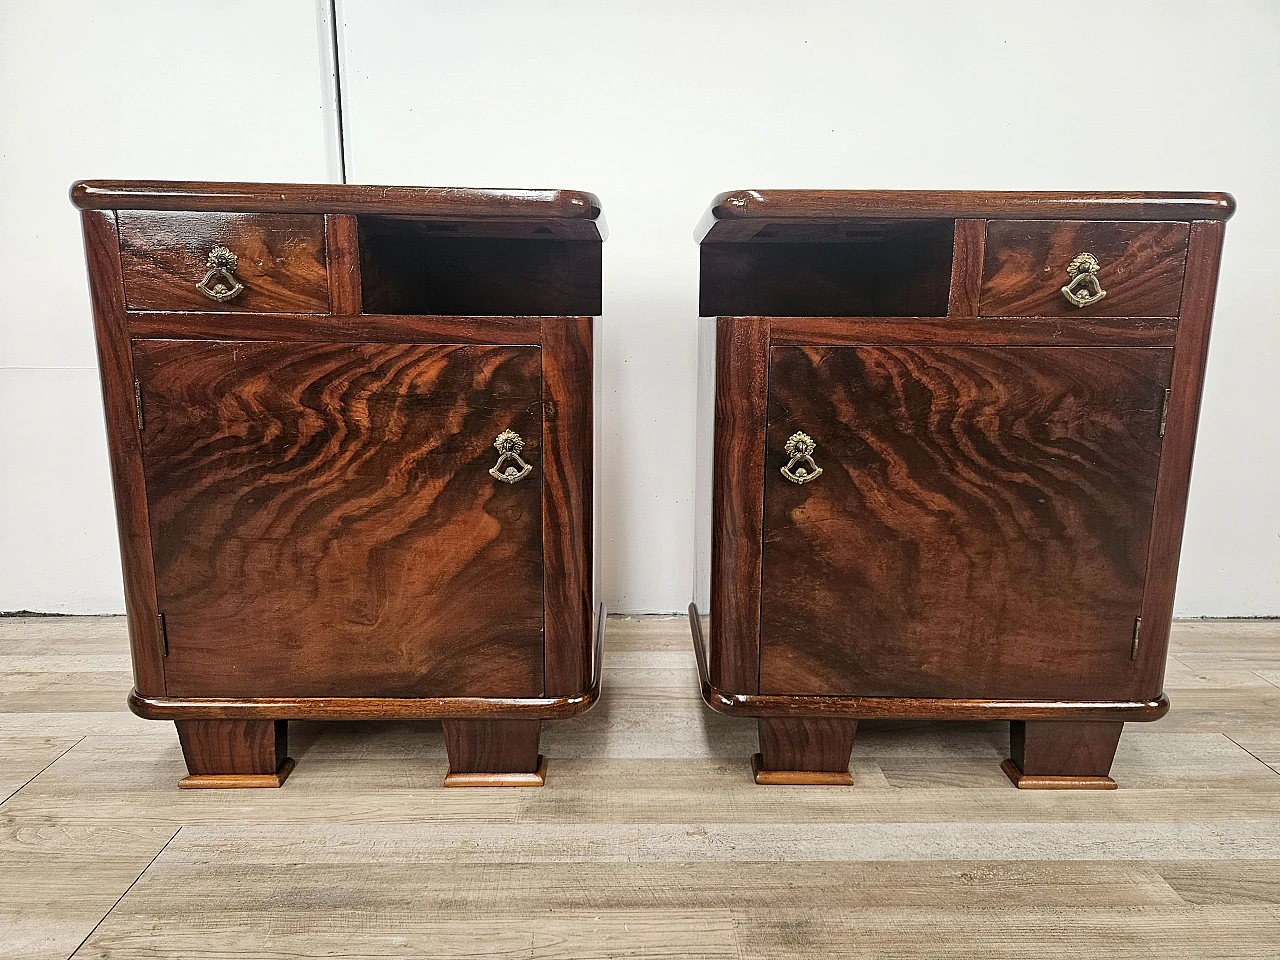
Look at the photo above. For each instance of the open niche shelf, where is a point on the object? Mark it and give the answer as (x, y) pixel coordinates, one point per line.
(858, 268)
(411, 266)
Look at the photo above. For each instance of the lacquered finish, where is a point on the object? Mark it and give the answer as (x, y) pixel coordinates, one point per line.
(740, 214)
(309, 528)
(1026, 267)
(280, 261)
(348, 483)
(904, 571)
(995, 530)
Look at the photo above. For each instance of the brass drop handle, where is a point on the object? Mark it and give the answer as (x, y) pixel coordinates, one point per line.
(1084, 288)
(800, 449)
(508, 444)
(220, 282)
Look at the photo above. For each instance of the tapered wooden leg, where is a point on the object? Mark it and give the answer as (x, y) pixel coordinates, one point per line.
(234, 753)
(494, 753)
(804, 752)
(1062, 754)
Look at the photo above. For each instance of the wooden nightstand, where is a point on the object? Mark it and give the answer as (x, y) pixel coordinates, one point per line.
(944, 447)
(352, 444)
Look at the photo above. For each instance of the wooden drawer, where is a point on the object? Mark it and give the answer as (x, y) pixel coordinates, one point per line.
(279, 261)
(1140, 267)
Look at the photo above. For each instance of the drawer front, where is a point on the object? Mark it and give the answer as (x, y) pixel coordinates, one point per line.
(979, 527)
(1026, 264)
(279, 262)
(325, 522)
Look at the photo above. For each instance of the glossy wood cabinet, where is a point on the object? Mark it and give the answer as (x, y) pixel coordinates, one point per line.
(352, 442)
(945, 441)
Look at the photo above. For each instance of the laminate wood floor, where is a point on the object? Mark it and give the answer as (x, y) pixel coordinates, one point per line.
(650, 838)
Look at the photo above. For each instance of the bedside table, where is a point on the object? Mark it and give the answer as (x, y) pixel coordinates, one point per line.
(352, 444)
(945, 441)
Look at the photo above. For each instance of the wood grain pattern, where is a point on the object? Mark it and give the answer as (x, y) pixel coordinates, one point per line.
(757, 705)
(492, 747)
(649, 832)
(741, 404)
(115, 366)
(1026, 267)
(576, 212)
(380, 708)
(360, 328)
(1082, 749)
(234, 753)
(980, 529)
(342, 254)
(738, 214)
(1204, 252)
(813, 745)
(333, 502)
(281, 260)
(966, 268)
(1080, 331)
(568, 540)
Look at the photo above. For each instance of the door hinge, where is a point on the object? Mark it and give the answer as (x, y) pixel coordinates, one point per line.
(137, 404)
(1164, 413)
(1137, 633)
(164, 634)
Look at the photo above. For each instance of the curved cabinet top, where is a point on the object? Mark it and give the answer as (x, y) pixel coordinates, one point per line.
(737, 214)
(578, 208)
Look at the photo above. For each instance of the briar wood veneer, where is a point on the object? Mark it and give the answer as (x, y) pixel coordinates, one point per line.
(984, 512)
(316, 521)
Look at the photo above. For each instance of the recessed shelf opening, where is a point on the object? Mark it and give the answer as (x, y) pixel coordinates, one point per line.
(848, 268)
(427, 267)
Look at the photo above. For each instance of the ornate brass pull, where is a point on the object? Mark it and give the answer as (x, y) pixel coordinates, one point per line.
(220, 283)
(508, 444)
(800, 449)
(1084, 288)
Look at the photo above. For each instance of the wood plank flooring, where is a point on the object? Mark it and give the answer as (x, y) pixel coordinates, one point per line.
(649, 839)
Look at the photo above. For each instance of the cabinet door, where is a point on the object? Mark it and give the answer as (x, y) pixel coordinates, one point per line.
(324, 523)
(980, 525)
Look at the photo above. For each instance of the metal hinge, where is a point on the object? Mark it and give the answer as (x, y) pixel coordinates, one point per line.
(164, 634)
(137, 404)
(1164, 413)
(1137, 632)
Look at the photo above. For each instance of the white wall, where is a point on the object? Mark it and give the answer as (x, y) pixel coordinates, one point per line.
(656, 106)
(230, 90)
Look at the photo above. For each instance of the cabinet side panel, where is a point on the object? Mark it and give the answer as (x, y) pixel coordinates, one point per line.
(741, 397)
(124, 447)
(566, 516)
(1204, 251)
(703, 459)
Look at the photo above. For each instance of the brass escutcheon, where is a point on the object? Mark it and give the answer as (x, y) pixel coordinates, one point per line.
(508, 444)
(220, 283)
(1084, 288)
(800, 449)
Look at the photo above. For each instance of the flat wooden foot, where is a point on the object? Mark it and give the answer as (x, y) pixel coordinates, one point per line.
(1028, 782)
(804, 752)
(535, 779)
(236, 781)
(797, 778)
(234, 753)
(494, 753)
(1062, 754)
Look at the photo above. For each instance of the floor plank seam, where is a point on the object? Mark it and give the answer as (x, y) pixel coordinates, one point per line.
(30, 779)
(1252, 754)
(132, 884)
